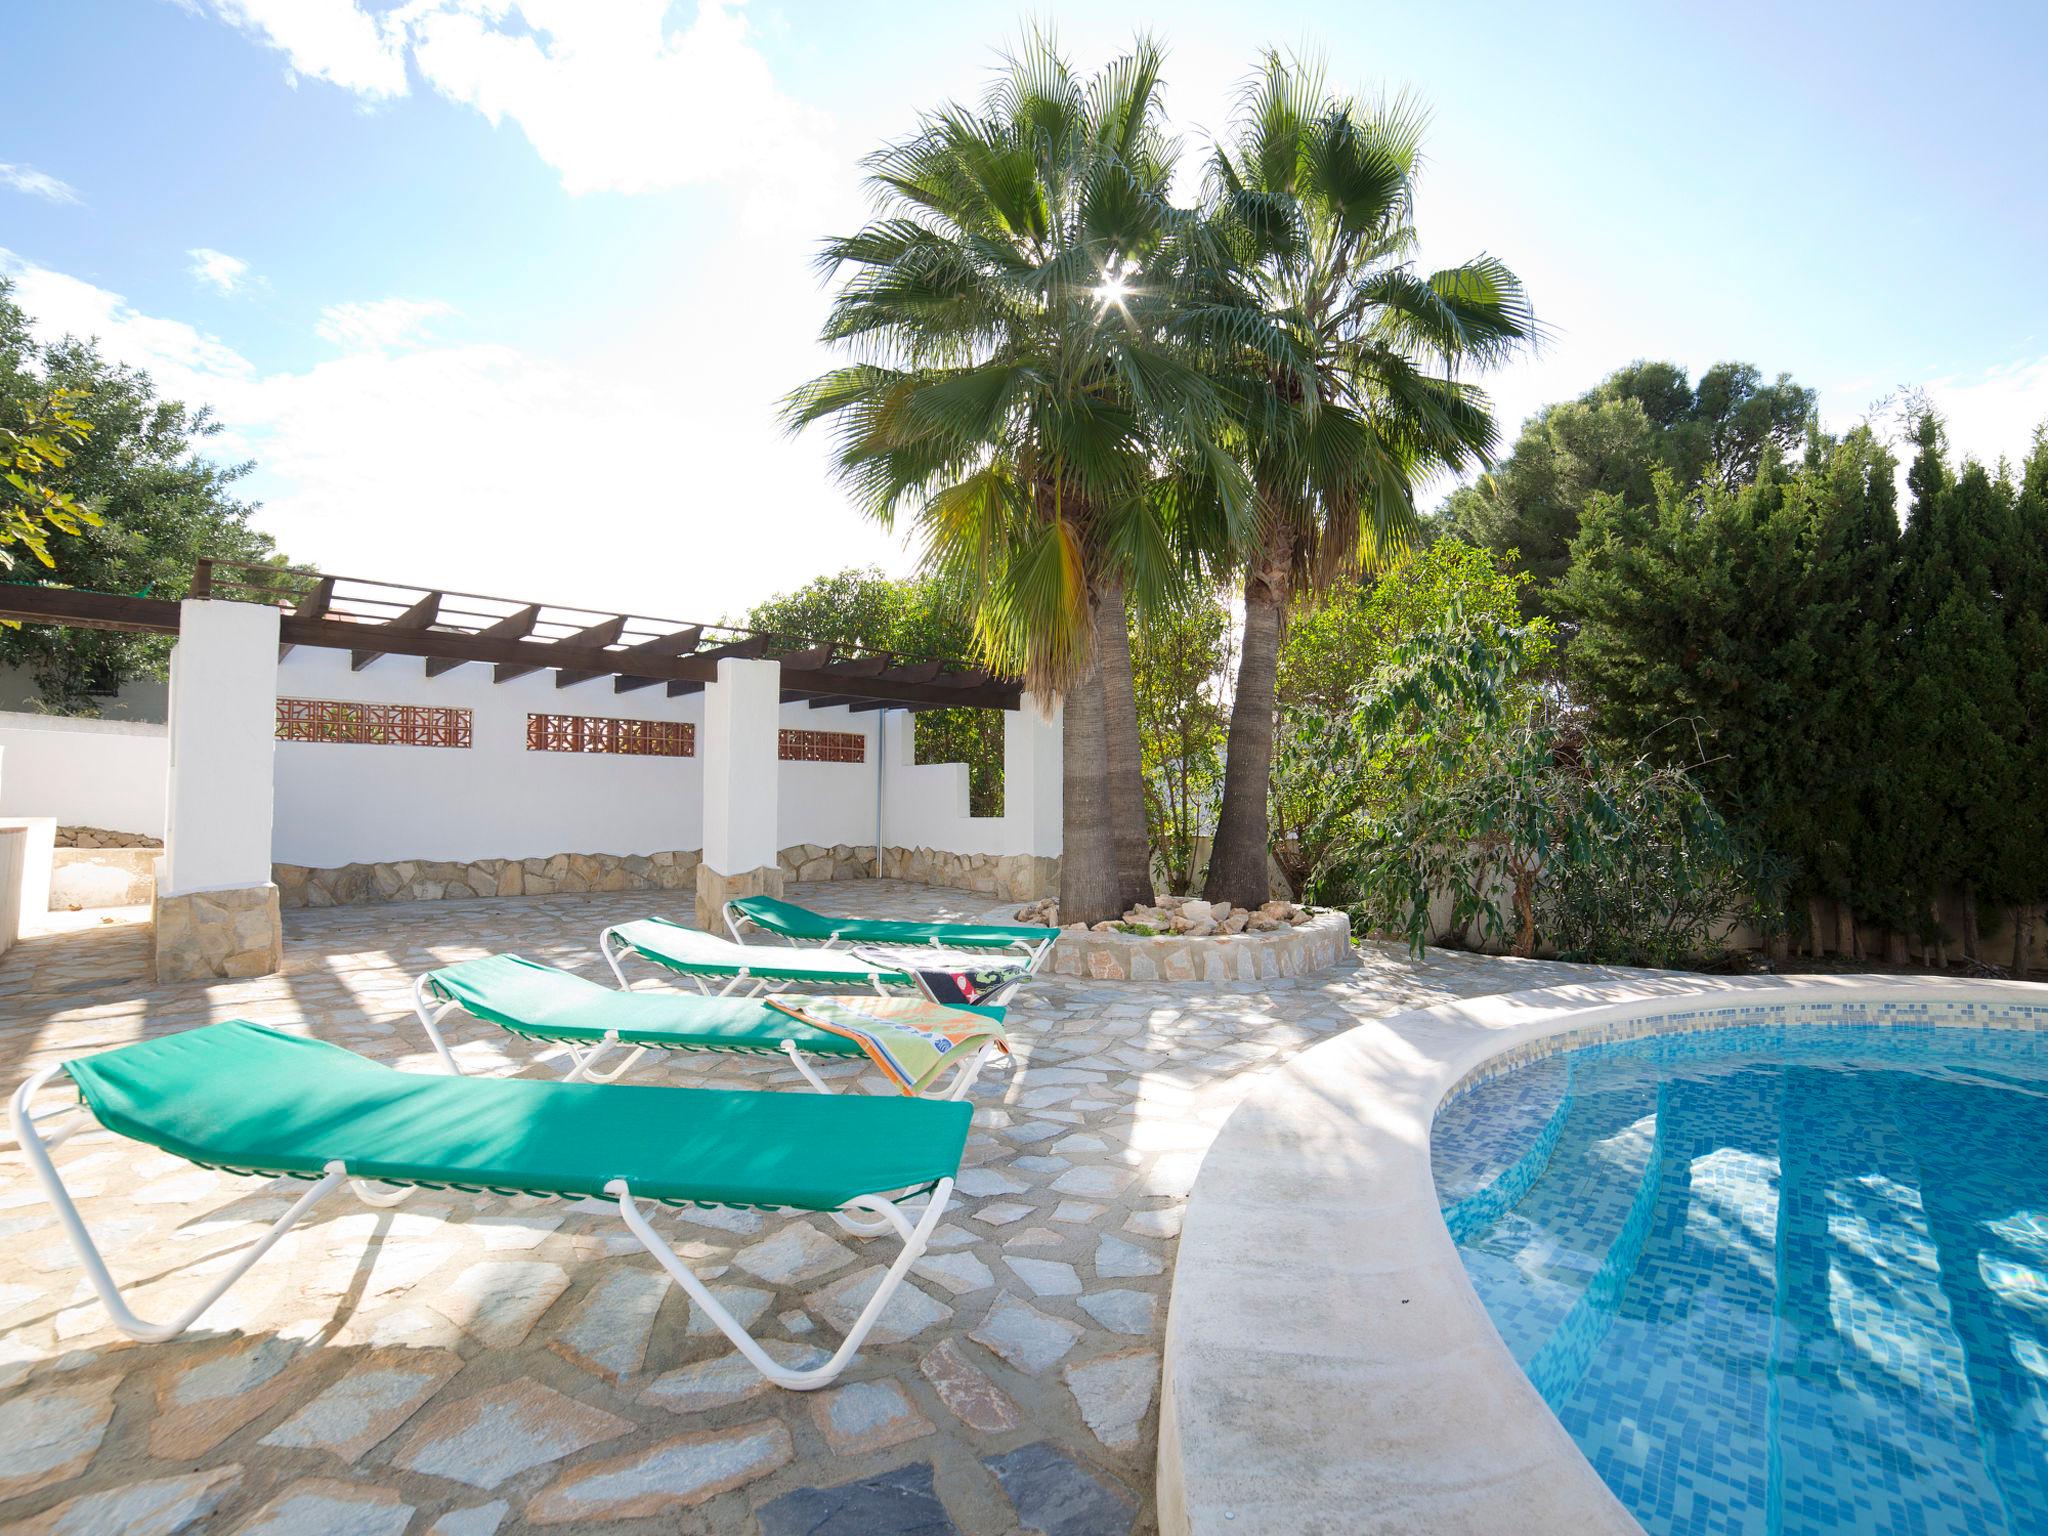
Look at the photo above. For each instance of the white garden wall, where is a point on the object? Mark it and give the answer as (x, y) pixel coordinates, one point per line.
(925, 806)
(84, 773)
(346, 804)
(337, 805)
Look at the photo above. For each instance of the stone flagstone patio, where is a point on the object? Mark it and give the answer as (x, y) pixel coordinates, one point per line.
(464, 1366)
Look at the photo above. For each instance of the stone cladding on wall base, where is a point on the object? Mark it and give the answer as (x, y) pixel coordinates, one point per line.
(714, 890)
(1012, 876)
(436, 880)
(210, 934)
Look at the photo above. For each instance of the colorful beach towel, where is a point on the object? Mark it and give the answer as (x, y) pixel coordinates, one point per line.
(911, 1039)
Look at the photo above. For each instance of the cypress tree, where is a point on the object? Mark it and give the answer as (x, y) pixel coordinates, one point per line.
(2026, 603)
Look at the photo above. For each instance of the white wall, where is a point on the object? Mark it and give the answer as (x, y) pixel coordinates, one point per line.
(357, 804)
(85, 773)
(829, 803)
(925, 805)
(337, 804)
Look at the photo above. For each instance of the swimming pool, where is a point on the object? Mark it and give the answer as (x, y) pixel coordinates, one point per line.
(1775, 1279)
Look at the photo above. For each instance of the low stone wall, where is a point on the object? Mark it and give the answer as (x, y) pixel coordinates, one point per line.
(808, 861)
(1012, 876)
(103, 837)
(423, 880)
(1017, 877)
(1323, 940)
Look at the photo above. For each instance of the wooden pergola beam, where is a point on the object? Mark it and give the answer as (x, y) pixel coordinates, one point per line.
(420, 615)
(678, 643)
(514, 626)
(591, 640)
(745, 650)
(312, 606)
(683, 674)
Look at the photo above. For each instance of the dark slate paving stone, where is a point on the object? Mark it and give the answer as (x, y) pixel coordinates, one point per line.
(898, 1503)
(1058, 1496)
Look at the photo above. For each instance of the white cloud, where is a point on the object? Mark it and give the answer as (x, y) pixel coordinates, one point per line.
(217, 269)
(1993, 414)
(328, 39)
(379, 325)
(620, 481)
(609, 94)
(26, 178)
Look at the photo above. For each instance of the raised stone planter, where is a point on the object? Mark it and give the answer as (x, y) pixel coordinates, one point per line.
(1322, 941)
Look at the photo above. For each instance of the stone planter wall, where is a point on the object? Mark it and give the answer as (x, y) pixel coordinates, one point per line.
(1012, 876)
(1324, 940)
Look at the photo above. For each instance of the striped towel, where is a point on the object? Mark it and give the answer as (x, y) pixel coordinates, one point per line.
(910, 1039)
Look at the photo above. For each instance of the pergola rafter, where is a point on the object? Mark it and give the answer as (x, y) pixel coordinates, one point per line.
(449, 629)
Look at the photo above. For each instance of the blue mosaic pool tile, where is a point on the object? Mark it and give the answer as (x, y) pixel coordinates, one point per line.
(1777, 1279)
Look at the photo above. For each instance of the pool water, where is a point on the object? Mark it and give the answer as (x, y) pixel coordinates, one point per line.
(1775, 1279)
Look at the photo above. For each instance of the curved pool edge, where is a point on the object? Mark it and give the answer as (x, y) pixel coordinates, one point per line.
(1328, 1366)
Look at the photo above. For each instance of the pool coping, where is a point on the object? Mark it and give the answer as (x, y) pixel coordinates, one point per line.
(1328, 1366)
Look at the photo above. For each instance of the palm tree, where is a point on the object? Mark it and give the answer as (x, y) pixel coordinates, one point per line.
(1028, 387)
(1314, 197)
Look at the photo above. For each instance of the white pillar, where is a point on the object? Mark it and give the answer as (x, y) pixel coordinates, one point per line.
(216, 909)
(741, 751)
(1031, 797)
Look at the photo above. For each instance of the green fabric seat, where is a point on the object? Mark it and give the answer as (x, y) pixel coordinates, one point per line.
(696, 953)
(795, 922)
(250, 1098)
(542, 1003)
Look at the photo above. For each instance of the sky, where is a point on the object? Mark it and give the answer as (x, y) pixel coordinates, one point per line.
(501, 295)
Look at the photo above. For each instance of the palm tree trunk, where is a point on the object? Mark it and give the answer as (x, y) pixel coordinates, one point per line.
(1088, 888)
(1131, 849)
(1237, 864)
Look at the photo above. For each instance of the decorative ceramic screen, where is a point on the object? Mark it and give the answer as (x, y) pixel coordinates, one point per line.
(600, 733)
(824, 747)
(371, 725)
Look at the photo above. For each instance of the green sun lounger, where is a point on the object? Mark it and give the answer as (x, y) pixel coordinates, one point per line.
(251, 1099)
(539, 1002)
(754, 969)
(803, 925)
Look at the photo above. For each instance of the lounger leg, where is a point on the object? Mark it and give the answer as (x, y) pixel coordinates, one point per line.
(581, 1073)
(796, 1059)
(914, 1240)
(430, 1021)
(969, 1070)
(605, 941)
(37, 1148)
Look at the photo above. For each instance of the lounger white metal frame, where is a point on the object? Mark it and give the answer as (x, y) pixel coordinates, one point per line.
(1035, 951)
(583, 1059)
(862, 1216)
(763, 986)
